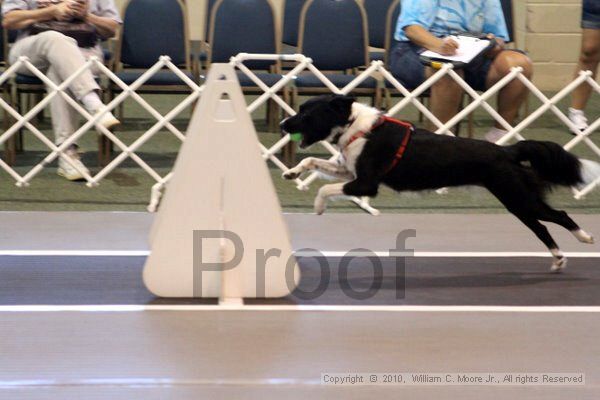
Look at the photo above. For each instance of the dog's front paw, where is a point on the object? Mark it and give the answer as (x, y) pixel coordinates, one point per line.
(290, 174)
(320, 205)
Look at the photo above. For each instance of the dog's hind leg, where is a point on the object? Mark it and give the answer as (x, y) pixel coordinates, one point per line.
(525, 205)
(561, 218)
(560, 261)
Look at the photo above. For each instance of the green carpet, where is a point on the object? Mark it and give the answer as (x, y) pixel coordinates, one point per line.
(128, 187)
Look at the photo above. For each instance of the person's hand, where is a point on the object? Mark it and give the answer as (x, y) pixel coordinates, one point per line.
(61, 12)
(446, 46)
(500, 45)
(79, 8)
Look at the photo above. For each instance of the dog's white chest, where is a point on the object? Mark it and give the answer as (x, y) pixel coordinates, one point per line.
(350, 154)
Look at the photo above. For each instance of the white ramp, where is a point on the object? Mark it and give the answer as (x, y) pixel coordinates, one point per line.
(220, 211)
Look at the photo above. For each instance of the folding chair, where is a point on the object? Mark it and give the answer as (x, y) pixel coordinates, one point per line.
(151, 29)
(337, 49)
(9, 150)
(248, 26)
(377, 14)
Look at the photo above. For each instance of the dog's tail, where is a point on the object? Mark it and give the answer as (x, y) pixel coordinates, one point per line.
(553, 164)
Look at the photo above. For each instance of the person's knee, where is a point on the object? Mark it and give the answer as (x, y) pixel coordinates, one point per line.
(590, 54)
(447, 84)
(507, 60)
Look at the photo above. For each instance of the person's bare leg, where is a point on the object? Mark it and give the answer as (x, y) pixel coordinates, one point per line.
(445, 98)
(512, 95)
(589, 57)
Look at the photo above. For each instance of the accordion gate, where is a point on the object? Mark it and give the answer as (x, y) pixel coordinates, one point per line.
(270, 93)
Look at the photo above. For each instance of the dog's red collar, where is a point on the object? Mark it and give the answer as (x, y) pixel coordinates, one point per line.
(408, 129)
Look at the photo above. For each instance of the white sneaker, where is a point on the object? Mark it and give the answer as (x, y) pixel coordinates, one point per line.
(107, 120)
(578, 118)
(66, 170)
(495, 134)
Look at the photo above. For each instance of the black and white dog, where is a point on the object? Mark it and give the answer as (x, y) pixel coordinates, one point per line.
(378, 150)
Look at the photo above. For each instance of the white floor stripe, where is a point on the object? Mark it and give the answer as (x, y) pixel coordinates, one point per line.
(325, 253)
(153, 382)
(291, 308)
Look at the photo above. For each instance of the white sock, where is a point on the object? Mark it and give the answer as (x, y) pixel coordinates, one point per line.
(575, 111)
(91, 101)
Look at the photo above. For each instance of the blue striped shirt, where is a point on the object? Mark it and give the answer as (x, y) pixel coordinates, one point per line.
(447, 17)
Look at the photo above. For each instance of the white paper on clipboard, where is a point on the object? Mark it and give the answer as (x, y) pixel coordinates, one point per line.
(468, 48)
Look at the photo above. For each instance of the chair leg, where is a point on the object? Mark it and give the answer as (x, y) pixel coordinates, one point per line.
(9, 145)
(104, 150)
(272, 115)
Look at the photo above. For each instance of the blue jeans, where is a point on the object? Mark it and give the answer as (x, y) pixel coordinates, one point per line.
(590, 18)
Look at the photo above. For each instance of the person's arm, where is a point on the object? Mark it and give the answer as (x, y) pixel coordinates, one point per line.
(421, 37)
(106, 27)
(20, 19)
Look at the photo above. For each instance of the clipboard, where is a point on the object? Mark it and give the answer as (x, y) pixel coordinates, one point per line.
(430, 58)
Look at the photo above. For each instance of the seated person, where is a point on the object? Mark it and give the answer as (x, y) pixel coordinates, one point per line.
(59, 57)
(426, 24)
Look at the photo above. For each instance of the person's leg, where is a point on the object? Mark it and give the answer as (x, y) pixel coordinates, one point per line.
(589, 57)
(511, 97)
(53, 48)
(61, 52)
(406, 66)
(64, 122)
(445, 99)
(64, 117)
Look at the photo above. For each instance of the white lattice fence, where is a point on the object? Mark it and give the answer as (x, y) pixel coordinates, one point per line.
(376, 69)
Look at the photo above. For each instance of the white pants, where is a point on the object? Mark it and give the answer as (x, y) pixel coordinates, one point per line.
(59, 57)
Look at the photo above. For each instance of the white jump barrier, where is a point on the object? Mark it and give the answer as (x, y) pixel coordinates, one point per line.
(220, 198)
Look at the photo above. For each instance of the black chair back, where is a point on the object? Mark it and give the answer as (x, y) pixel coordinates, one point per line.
(153, 28)
(291, 21)
(243, 26)
(377, 12)
(334, 46)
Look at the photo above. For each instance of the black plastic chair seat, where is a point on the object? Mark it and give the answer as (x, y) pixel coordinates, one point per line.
(376, 55)
(22, 79)
(268, 78)
(162, 78)
(339, 80)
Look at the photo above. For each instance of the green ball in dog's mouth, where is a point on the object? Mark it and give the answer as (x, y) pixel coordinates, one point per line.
(296, 137)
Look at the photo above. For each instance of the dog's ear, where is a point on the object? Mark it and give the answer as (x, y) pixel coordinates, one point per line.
(342, 104)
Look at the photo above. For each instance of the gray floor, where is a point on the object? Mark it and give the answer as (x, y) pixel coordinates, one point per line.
(256, 354)
(514, 281)
(202, 353)
(330, 232)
